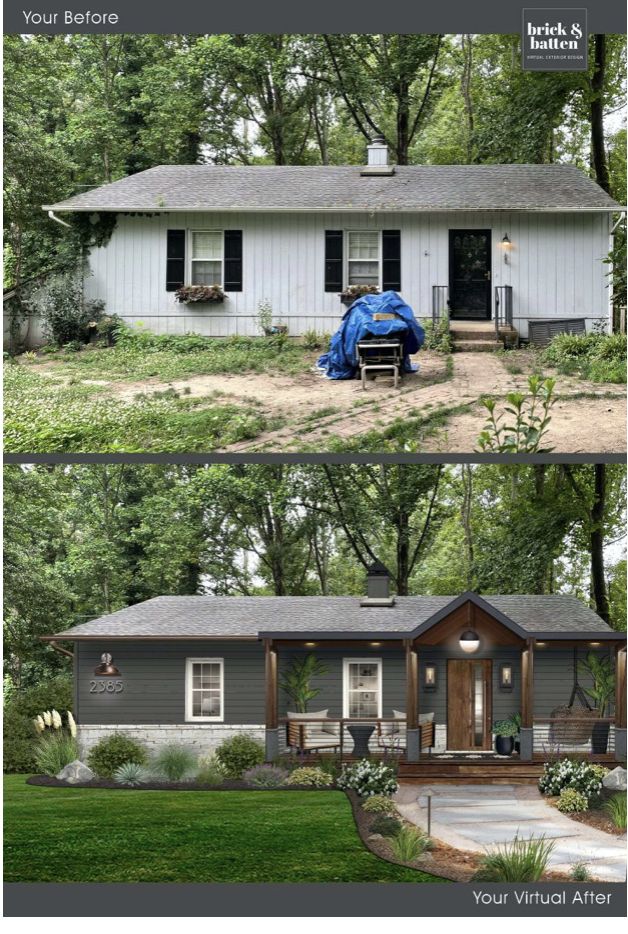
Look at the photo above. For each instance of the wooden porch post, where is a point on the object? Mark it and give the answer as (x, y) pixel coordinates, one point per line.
(527, 701)
(271, 719)
(413, 742)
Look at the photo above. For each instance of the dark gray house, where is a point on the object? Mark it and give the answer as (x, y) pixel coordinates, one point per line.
(423, 677)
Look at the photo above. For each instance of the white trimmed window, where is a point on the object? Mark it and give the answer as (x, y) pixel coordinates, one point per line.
(364, 256)
(362, 687)
(206, 257)
(204, 689)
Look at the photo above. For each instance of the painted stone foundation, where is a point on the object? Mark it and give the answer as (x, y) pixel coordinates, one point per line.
(201, 738)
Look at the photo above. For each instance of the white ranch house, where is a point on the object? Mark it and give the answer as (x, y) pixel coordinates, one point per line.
(528, 241)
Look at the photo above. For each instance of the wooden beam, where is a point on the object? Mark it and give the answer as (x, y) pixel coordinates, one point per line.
(527, 685)
(412, 687)
(620, 687)
(270, 654)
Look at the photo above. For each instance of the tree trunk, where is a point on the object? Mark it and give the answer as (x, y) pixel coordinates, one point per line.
(599, 588)
(598, 152)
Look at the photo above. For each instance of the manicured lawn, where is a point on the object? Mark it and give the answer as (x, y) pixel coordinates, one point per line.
(101, 835)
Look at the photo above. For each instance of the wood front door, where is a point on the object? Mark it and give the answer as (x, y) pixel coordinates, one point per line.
(470, 274)
(469, 703)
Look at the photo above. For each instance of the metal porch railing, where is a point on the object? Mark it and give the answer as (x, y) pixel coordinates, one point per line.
(591, 737)
(503, 307)
(440, 304)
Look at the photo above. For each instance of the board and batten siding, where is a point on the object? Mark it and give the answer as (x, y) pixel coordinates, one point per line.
(555, 266)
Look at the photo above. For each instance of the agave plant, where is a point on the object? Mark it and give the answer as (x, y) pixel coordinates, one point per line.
(130, 773)
(296, 681)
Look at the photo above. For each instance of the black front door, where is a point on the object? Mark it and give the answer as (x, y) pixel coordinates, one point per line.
(470, 274)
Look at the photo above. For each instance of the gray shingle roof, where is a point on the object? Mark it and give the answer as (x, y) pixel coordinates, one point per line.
(242, 617)
(323, 188)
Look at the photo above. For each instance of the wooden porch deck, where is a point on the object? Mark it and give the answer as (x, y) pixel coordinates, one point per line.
(463, 771)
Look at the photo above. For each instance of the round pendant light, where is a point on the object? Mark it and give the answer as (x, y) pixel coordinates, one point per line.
(469, 641)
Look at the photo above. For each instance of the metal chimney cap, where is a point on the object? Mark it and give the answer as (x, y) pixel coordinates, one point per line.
(377, 569)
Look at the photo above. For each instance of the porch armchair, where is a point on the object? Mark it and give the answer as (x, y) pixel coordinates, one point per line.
(392, 736)
(306, 736)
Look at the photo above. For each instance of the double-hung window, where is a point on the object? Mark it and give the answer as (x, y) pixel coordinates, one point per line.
(204, 689)
(362, 678)
(364, 257)
(206, 257)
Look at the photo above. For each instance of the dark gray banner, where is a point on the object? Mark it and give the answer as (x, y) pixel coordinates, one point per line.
(331, 16)
(393, 899)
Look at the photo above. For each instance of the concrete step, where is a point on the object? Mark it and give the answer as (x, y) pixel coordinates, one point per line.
(479, 346)
(465, 334)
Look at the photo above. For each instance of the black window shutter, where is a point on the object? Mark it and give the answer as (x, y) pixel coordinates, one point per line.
(391, 260)
(333, 260)
(175, 260)
(233, 261)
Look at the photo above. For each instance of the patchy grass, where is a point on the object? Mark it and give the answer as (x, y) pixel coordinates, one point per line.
(600, 358)
(102, 835)
(44, 414)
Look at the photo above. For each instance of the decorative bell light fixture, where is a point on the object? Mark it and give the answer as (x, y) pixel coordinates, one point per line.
(106, 669)
(469, 641)
(506, 244)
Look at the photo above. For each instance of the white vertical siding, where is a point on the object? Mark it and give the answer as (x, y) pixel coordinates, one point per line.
(555, 267)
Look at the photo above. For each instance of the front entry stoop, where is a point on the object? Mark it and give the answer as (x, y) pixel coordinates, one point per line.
(480, 336)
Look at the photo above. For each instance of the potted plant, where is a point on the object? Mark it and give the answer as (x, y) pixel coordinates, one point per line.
(297, 680)
(190, 294)
(353, 292)
(600, 670)
(505, 732)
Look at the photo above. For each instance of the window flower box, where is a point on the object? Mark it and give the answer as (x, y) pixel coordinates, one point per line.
(191, 294)
(353, 292)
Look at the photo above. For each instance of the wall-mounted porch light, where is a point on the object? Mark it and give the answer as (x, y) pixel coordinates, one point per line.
(106, 669)
(429, 678)
(469, 641)
(506, 245)
(505, 677)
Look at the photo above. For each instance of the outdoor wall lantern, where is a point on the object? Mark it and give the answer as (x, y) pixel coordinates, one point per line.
(106, 669)
(506, 244)
(505, 677)
(469, 641)
(429, 679)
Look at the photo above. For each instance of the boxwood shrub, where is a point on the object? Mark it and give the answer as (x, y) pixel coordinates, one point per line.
(114, 751)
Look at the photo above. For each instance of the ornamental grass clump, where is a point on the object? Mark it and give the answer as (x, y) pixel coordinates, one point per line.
(265, 776)
(310, 775)
(519, 861)
(131, 774)
(615, 807)
(379, 804)
(174, 763)
(571, 801)
(368, 778)
(53, 751)
(209, 771)
(585, 777)
(409, 843)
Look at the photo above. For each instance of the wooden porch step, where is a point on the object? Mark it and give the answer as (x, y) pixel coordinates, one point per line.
(477, 773)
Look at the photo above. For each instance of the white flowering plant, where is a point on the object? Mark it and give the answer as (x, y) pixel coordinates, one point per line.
(52, 720)
(368, 778)
(585, 777)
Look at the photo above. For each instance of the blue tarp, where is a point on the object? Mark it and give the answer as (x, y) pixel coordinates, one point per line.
(358, 323)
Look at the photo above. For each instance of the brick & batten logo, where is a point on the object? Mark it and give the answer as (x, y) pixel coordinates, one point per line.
(554, 39)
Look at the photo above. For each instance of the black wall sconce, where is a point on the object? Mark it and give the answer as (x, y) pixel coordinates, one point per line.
(506, 245)
(505, 677)
(429, 678)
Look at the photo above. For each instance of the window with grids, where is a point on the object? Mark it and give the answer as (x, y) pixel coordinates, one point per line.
(206, 257)
(363, 688)
(204, 689)
(363, 257)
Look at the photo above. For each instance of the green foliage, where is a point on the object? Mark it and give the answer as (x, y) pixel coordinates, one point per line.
(20, 709)
(386, 825)
(409, 843)
(379, 804)
(519, 861)
(368, 778)
(173, 763)
(310, 775)
(312, 340)
(53, 751)
(438, 337)
(209, 771)
(18, 741)
(297, 680)
(580, 872)
(265, 776)
(601, 671)
(67, 317)
(597, 357)
(524, 422)
(508, 727)
(238, 754)
(114, 751)
(131, 774)
(584, 777)
(616, 809)
(571, 801)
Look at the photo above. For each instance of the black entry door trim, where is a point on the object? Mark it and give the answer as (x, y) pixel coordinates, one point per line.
(470, 298)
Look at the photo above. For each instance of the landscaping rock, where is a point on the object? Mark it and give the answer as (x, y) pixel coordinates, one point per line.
(615, 780)
(75, 772)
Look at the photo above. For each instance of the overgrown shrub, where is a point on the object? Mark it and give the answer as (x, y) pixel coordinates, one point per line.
(265, 776)
(312, 340)
(386, 825)
(310, 775)
(130, 773)
(519, 861)
(409, 844)
(53, 751)
(571, 801)
(20, 709)
(238, 754)
(67, 316)
(379, 804)
(585, 777)
(438, 337)
(368, 778)
(113, 751)
(615, 807)
(598, 357)
(174, 763)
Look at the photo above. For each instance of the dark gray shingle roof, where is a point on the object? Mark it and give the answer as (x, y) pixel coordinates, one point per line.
(321, 188)
(188, 617)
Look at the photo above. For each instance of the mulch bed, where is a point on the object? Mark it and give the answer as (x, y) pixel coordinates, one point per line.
(595, 817)
(228, 785)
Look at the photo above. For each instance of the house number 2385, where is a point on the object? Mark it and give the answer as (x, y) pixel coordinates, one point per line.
(106, 687)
